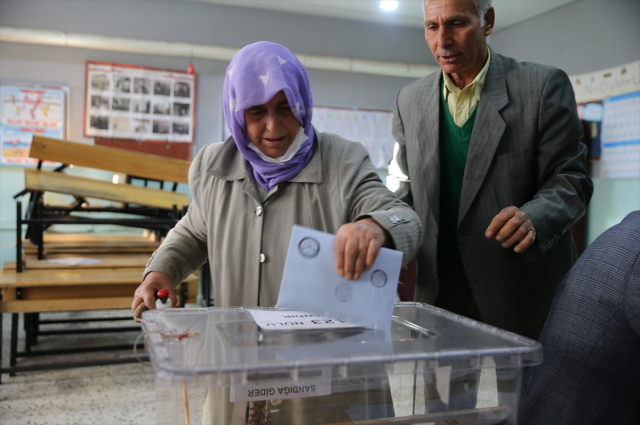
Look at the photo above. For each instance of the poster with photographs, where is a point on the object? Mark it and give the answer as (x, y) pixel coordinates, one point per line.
(131, 102)
(28, 109)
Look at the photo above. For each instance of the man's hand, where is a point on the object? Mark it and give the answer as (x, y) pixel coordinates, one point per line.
(147, 290)
(512, 226)
(357, 246)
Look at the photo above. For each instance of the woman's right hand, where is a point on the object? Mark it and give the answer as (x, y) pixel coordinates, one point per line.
(148, 289)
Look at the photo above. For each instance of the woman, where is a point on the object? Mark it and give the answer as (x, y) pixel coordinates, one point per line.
(273, 172)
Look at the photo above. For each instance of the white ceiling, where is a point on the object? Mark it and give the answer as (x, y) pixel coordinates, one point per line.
(408, 13)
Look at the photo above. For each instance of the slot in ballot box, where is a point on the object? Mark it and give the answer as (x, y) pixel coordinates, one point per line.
(217, 366)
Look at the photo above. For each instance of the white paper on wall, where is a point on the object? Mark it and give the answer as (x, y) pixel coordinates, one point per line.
(371, 128)
(620, 157)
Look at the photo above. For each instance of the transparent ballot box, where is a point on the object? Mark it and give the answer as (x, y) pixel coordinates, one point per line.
(217, 366)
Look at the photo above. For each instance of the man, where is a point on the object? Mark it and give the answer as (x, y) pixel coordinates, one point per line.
(492, 164)
(591, 342)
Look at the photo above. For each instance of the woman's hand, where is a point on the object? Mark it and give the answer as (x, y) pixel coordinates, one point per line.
(357, 246)
(148, 289)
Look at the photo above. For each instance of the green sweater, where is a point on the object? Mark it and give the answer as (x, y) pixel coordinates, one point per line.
(454, 147)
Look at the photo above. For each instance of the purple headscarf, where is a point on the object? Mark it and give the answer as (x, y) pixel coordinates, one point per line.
(255, 75)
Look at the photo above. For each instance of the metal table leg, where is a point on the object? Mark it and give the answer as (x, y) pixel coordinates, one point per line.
(1, 341)
(184, 294)
(28, 317)
(14, 341)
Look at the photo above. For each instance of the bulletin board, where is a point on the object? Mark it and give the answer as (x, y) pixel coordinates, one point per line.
(29, 109)
(370, 127)
(139, 103)
(609, 101)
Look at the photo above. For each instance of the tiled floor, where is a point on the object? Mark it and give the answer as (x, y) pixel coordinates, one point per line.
(115, 394)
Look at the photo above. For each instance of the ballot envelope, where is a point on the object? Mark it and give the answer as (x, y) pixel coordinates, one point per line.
(218, 366)
(311, 283)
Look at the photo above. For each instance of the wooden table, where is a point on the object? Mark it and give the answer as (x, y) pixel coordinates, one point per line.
(109, 284)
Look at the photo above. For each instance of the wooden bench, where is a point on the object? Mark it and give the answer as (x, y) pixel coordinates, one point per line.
(32, 257)
(38, 289)
(98, 246)
(126, 261)
(98, 238)
(88, 248)
(31, 286)
(47, 181)
(110, 159)
(160, 208)
(83, 288)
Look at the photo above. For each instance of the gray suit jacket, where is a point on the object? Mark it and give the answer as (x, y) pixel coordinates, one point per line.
(525, 151)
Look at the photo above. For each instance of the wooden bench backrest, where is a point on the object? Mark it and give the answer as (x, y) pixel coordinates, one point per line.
(48, 181)
(131, 261)
(110, 159)
(97, 238)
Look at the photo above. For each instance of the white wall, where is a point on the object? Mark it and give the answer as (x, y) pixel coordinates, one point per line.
(204, 23)
(584, 36)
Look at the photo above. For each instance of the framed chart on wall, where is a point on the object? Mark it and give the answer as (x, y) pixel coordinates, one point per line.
(139, 103)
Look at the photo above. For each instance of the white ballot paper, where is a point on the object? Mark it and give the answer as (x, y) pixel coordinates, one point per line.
(311, 283)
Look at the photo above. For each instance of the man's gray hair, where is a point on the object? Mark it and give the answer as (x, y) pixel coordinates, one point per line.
(482, 6)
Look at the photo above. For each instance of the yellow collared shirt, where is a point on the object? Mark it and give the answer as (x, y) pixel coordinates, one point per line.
(461, 103)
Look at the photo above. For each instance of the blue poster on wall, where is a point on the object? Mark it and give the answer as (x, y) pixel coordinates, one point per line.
(28, 109)
(16, 143)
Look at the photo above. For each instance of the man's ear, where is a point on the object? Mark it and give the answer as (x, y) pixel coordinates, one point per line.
(489, 21)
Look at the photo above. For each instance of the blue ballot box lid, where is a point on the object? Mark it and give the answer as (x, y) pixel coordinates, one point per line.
(187, 343)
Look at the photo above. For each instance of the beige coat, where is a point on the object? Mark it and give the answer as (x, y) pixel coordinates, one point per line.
(246, 238)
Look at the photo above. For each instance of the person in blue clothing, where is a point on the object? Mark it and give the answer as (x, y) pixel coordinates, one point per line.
(591, 340)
